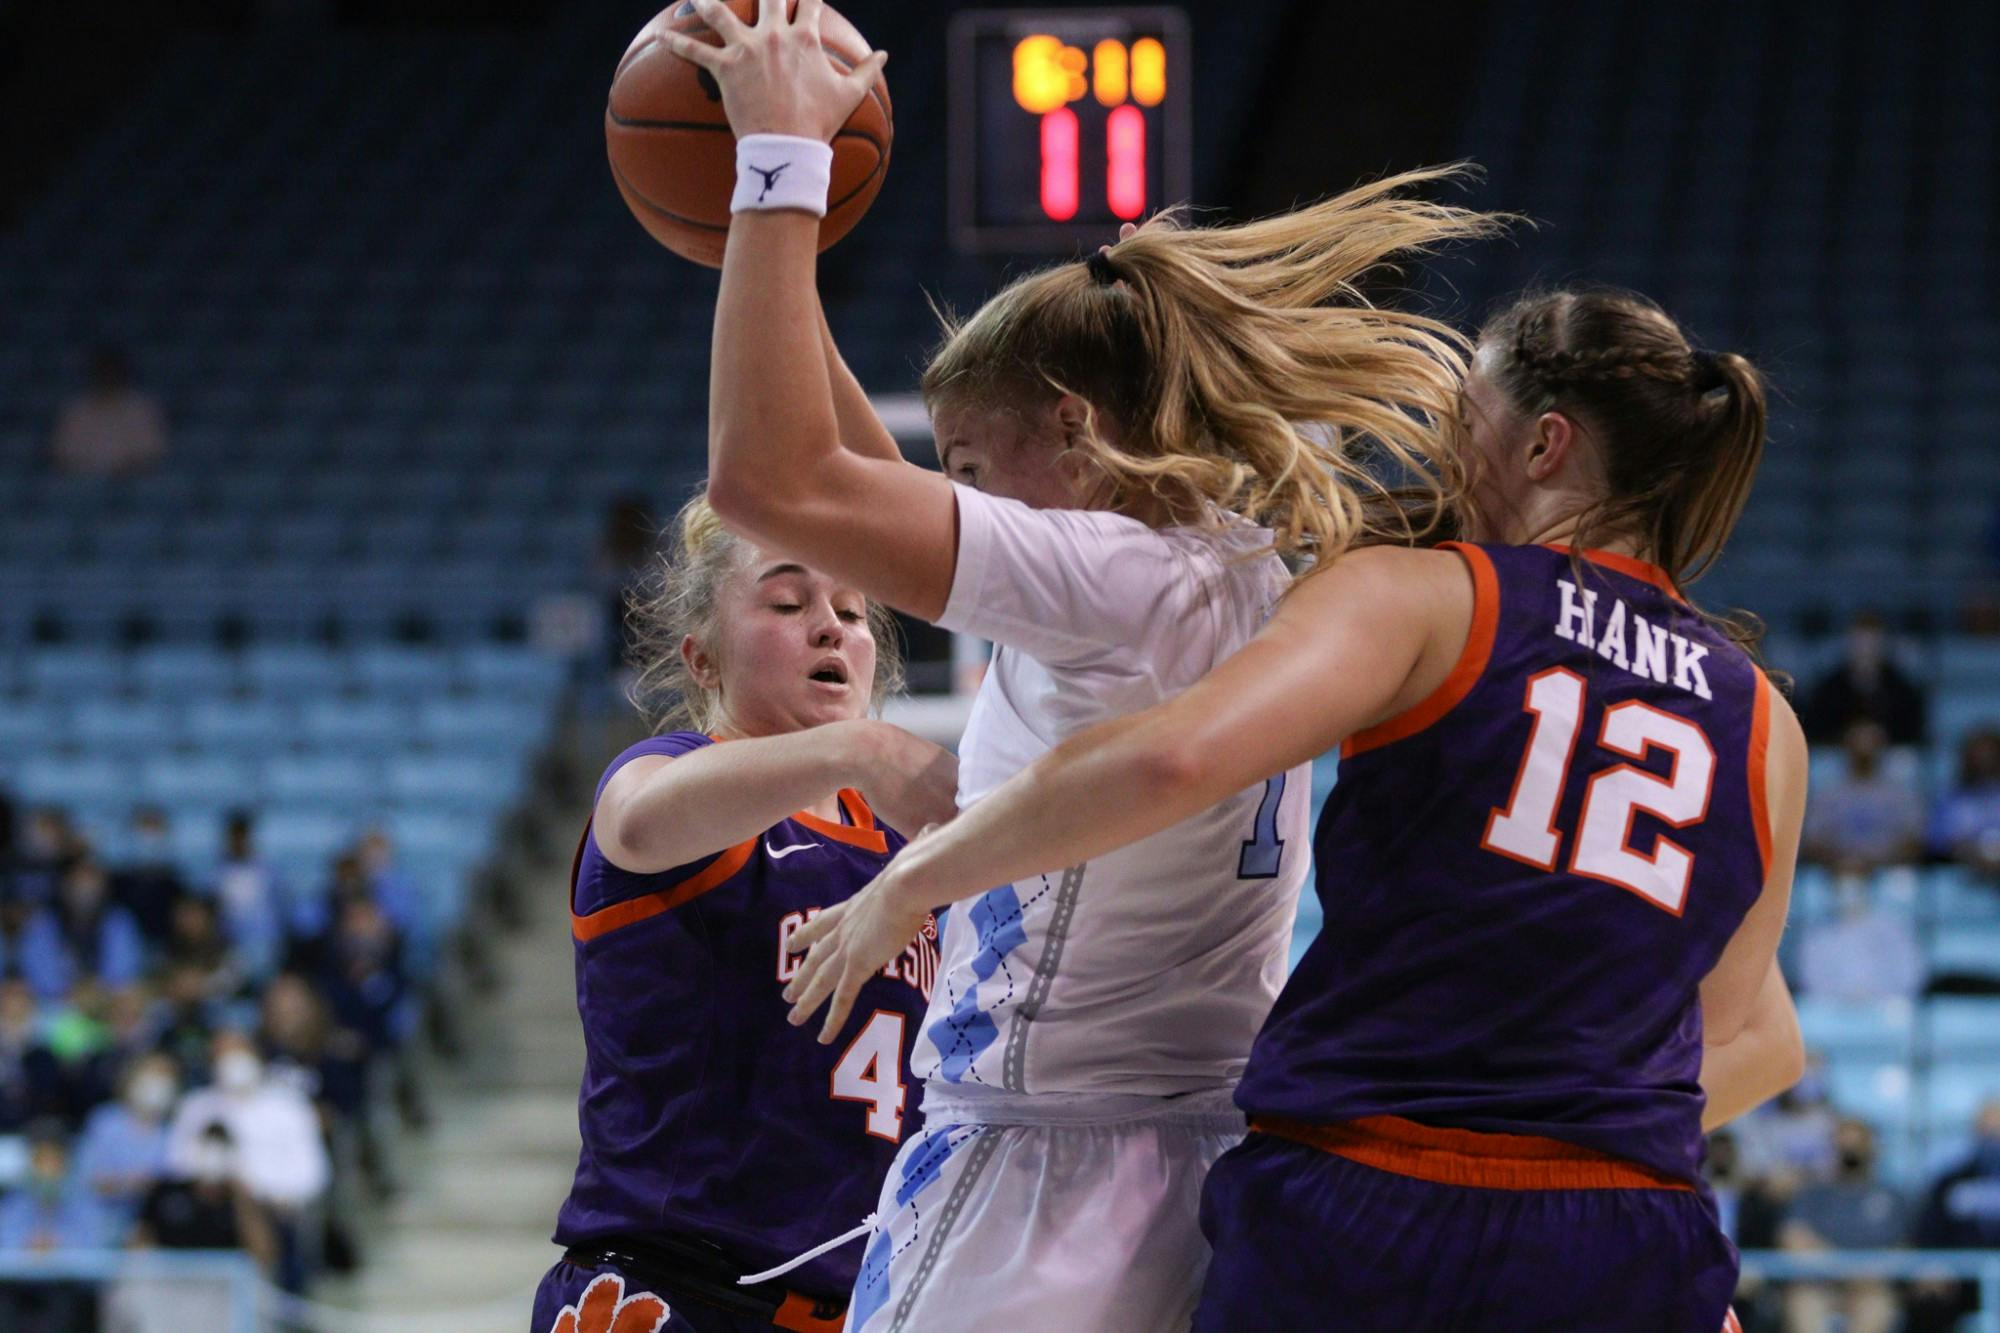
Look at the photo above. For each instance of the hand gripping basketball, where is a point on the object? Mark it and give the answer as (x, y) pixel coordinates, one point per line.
(775, 79)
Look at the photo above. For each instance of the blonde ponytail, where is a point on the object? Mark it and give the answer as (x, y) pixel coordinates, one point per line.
(1242, 368)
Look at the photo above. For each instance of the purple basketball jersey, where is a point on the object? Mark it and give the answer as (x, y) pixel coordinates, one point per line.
(1526, 877)
(703, 1111)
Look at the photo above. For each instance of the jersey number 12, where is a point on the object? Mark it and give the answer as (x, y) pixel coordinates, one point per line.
(1525, 829)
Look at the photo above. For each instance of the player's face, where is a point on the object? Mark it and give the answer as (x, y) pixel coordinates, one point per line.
(793, 650)
(1000, 454)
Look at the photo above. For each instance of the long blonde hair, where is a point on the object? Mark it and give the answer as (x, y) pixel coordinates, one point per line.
(1241, 367)
(678, 596)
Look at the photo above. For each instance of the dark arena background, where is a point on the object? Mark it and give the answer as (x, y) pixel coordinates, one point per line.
(341, 396)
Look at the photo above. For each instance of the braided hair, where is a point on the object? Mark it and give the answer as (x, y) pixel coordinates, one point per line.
(1681, 429)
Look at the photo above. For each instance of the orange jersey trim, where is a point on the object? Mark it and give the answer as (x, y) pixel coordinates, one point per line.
(1760, 749)
(1466, 1158)
(1465, 672)
(634, 910)
(798, 1313)
(1642, 570)
(863, 832)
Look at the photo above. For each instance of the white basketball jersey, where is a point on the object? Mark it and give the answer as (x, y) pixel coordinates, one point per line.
(1150, 969)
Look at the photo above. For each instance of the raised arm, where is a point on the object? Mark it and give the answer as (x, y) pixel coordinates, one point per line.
(777, 469)
(861, 431)
(661, 811)
(1387, 625)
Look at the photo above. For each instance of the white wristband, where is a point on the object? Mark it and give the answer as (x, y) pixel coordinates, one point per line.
(782, 171)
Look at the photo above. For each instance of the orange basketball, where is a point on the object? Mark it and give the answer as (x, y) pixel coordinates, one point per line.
(674, 155)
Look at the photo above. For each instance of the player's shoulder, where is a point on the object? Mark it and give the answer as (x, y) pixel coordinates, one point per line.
(666, 745)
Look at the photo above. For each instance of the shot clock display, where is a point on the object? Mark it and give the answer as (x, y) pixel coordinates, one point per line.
(1065, 123)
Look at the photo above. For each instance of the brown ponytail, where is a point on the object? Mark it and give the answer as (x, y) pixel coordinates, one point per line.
(1682, 429)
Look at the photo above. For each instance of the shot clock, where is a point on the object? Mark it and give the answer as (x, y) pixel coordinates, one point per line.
(1065, 123)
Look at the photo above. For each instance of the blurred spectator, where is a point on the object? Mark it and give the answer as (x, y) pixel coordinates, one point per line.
(123, 1151)
(396, 892)
(149, 883)
(1962, 1211)
(195, 942)
(188, 1020)
(49, 844)
(113, 428)
(1865, 686)
(31, 1082)
(280, 1155)
(1852, 1211)
(301, 1044)
(362, 974)
(1966, 825)
(205, 1204)
(50, 1211)
(75, 1034)
(251, 899)
(1790, 1140)
(96, 939)
(1867, 818)
(1866, 953)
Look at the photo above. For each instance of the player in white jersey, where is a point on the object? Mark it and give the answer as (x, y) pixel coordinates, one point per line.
(1122, 474)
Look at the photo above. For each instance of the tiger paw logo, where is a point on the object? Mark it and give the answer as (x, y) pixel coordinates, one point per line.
(605, 1308)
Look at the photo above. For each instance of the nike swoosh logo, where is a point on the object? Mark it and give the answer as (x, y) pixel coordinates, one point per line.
(780, 853)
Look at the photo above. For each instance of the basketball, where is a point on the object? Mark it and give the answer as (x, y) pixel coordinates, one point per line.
(674, 155)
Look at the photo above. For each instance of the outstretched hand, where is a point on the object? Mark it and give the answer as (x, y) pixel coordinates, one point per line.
(774, 75)
(846, 944)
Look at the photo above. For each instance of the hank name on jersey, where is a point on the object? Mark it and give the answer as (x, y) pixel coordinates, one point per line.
(1642, 649)
(917, 964)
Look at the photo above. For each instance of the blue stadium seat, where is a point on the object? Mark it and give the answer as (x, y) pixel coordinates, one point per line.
(1973, 663)
(1957, 897)
(1970, 948)
(255, 727)
(1880, 1092)
(93, 781)
(403, 672)
(208, 781)
(132, 726)
(184, 671)
(1964, 1026)
(307, 837)
(481, 724)
(335, 781)
(74, 672)
(1875, 1032)
(445, 782)
(31, 725)
(523, 672)
(294, 672)
(1954, 1092)
(427, 833)
(360, 726)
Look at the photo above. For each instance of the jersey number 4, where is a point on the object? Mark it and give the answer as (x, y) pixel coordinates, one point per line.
(871, 1072)
(1602, 849)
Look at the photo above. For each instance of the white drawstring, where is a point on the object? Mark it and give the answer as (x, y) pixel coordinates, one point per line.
(867, 1227)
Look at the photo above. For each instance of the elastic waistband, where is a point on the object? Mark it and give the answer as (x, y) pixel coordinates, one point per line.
(959, 1104)
(1467, 1157)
